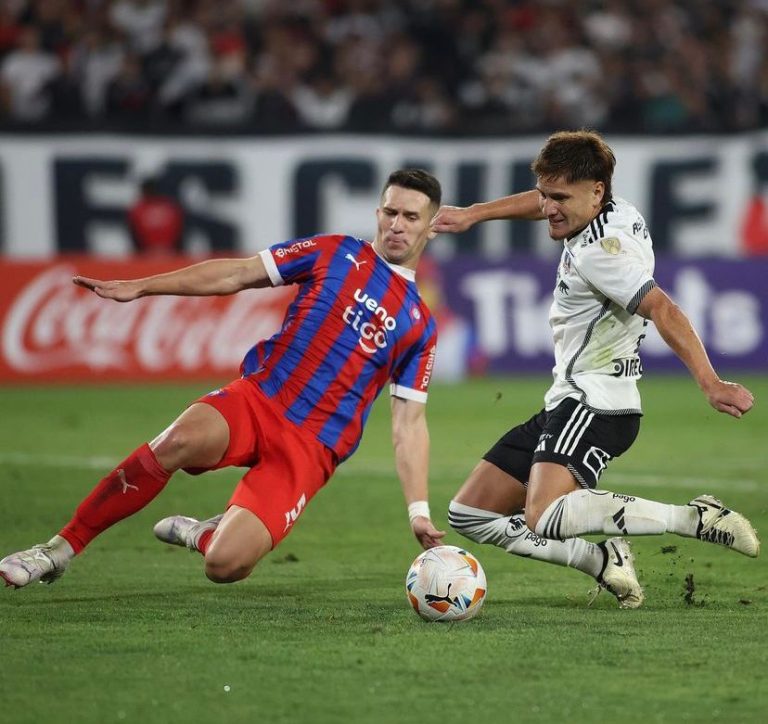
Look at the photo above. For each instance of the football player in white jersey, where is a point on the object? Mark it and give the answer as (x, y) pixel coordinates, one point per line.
(534, 491)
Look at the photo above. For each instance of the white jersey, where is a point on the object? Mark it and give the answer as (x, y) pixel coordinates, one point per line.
(604, 273)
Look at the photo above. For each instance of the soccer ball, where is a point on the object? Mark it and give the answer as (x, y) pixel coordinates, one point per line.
(446, 583)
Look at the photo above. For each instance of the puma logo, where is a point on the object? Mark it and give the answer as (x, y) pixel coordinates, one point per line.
(357, 263)
(124, 481)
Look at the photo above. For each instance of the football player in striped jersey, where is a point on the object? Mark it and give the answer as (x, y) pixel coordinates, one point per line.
(356, 325)
(534, 492)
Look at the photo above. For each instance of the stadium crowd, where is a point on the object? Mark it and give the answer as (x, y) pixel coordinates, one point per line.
(412, 66)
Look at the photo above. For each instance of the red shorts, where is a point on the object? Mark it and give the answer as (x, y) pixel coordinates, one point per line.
(287, 465)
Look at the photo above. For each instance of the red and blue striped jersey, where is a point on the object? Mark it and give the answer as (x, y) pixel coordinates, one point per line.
(357, 322)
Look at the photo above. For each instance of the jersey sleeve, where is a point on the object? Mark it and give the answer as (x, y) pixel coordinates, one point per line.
(410, 380)
(292, 262)
(615, 267)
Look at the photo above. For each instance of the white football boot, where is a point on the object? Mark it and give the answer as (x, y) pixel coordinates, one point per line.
(718, 524)
(179, 530)
(618, 575)
(44, 562)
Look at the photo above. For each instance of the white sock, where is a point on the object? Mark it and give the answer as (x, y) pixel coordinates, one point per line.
(601, 511)
(510, 533)
(62, 550)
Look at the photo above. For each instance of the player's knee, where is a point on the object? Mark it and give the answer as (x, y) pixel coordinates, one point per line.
(537, 502)
(459, 521)
(532, 515)
(226, 571)
(176, 446)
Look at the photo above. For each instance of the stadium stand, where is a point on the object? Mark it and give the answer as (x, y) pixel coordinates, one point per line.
(409, 66)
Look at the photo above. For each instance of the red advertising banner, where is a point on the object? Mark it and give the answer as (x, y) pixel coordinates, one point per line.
(54, 331)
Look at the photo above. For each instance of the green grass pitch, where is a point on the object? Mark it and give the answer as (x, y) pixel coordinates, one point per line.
(322, 631)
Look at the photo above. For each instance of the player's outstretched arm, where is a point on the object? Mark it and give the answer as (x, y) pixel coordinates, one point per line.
(410, 438)
(677, 331)
(215, 277)
(455, 219)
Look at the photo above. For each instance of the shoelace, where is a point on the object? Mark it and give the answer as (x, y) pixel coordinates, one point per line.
(56, 569)
(44, 552)
(713, 535)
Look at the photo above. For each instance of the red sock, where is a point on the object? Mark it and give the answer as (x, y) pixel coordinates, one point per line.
(126, 490)
(205, 540)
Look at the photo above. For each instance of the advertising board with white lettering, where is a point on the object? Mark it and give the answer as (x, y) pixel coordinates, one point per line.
(54, 331)
(505, 306)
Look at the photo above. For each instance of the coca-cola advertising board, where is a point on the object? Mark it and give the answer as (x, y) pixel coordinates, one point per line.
(54, 331)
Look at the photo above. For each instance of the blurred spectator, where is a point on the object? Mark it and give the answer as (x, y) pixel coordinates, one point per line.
(160, 67)
(321, 103)
(129, 96)
(141, 22)
(426, 108)
(27, 75)
(56, 22)
(574, 83)
(156, 221)
(10, 29)
(609, 26)
(508, 90)
(223, 100)
(186, 54)
(95, 62)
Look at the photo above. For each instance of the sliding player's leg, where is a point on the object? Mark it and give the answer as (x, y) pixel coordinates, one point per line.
(197, 438)
(238, 543)
(288, 467)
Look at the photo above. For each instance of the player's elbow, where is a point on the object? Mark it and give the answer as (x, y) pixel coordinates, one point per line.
(672, 324)
(658, 307)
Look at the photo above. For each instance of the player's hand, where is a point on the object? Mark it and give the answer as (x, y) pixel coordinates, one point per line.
(730, 397)
(452, 219)
(426, 533)
(120, 291)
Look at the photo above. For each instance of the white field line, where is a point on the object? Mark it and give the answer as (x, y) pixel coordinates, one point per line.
(626, 479)
(77, 462)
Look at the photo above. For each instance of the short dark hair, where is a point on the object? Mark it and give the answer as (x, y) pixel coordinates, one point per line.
(417, 179)
(577, 156)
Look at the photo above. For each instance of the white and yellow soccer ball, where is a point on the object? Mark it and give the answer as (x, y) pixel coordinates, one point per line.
(446, 583)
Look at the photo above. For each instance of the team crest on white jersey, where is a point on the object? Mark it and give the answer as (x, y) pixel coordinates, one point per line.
(612, 245)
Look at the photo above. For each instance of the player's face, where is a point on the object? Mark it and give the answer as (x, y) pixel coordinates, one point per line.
(569, 207)
(403, 225)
